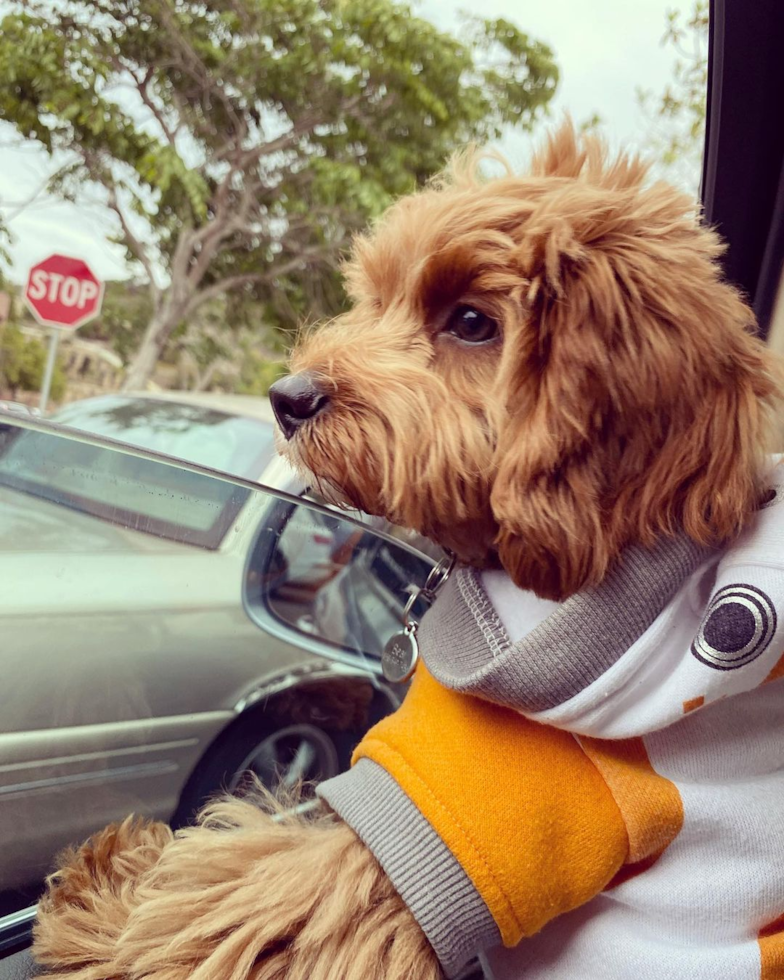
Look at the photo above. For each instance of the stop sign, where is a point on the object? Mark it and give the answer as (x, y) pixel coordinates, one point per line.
(63, 292)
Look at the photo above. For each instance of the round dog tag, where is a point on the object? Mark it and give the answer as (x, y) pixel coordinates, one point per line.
(399, 659)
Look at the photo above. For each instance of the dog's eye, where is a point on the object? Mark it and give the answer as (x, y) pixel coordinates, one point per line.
(471, 325)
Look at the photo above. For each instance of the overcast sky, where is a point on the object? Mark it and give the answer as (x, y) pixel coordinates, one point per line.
(604, 49)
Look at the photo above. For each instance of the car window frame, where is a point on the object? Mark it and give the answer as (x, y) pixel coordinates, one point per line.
(742, 186)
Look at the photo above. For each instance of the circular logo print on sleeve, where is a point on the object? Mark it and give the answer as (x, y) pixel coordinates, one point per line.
(737, 628)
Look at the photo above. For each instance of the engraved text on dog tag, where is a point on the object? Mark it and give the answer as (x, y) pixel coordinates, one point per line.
(400, 655)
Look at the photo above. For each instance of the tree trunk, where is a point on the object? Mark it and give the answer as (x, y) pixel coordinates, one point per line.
(147, 356)
(204, 378)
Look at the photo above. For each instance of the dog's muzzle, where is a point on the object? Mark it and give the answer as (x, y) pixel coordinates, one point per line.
(296, 399)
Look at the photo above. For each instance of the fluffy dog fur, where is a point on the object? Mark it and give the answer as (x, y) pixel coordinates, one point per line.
(251, 892)
(624, 397)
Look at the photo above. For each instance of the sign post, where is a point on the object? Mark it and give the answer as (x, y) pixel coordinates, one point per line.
(46, 384)
(63, 293)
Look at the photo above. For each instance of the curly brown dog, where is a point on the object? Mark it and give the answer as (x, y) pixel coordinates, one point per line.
(538, 372)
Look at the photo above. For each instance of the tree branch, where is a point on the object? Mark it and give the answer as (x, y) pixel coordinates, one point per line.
(234, 282)
(135, 246)
(221, 287)
(225, 223)
(20, 206)
(180, 261)
(210, 236)
(193, 66)
(306, 124)
(142, 88)
(298, 129)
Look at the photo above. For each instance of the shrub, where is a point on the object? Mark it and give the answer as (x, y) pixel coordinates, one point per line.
(22, 364)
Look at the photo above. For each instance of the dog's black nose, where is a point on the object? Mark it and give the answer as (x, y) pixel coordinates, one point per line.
(295, 399)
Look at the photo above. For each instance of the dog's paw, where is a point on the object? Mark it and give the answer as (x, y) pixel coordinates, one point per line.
(90, 896)
(244, 896)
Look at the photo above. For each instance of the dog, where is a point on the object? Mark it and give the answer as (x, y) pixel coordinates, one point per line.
(548, 376)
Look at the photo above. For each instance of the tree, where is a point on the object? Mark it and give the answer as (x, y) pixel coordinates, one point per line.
(677, 116)
(258, 374)
(212, 355)
(239, 143)
(125, 312)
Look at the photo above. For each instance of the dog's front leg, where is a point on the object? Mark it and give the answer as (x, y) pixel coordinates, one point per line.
(246, 895)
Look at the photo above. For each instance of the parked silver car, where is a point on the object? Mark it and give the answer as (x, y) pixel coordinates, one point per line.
(164, 629)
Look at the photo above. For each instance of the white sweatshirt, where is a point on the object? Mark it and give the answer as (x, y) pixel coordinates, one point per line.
(708, 908)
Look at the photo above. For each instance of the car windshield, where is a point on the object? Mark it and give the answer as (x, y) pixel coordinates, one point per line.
(231, 443)
(183, 185)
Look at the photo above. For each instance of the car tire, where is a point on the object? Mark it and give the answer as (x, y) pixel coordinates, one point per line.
(281, 756)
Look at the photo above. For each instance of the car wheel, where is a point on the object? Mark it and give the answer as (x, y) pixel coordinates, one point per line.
(287, 758)
(282, 757)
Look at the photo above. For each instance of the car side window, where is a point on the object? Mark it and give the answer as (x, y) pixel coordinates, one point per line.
(118, 487)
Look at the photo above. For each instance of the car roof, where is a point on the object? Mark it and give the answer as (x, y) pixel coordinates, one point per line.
(251, 406)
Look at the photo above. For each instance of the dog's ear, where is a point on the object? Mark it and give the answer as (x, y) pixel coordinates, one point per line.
(635, 392)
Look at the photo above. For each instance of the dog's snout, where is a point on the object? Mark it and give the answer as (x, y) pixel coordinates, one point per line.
(296, 399)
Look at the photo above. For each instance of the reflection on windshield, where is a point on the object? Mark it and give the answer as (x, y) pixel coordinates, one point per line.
(231, 443)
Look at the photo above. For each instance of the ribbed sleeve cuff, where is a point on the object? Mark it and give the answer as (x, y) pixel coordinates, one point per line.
(441, 896)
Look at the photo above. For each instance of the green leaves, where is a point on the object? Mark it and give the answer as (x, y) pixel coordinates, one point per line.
(22, 362)
(255, 136)
(184, 188)
(677, 116)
